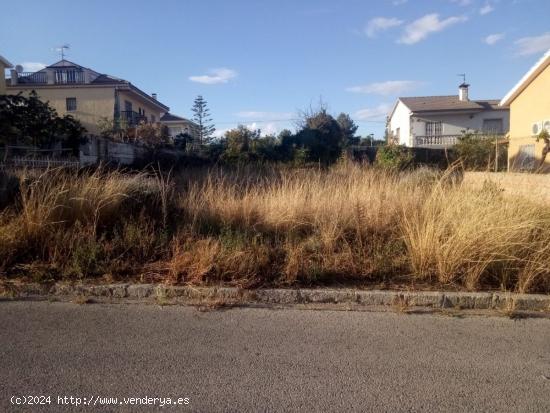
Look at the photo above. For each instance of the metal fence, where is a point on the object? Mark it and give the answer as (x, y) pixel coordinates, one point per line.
(30, 157)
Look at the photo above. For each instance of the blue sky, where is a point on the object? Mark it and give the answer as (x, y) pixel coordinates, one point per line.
(259, 62)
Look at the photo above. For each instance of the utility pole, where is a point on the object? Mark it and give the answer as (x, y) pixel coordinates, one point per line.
(496, 153)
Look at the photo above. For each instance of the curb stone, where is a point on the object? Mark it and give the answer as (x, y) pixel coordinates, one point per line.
(276, 296)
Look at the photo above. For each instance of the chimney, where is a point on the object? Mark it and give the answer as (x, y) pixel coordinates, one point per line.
(463, 92)
(13, 76)
(154, 96)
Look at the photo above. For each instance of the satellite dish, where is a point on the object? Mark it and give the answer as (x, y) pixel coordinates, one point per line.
(19, 69)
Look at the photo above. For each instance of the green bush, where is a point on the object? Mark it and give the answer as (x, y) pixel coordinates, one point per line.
(477, 153)
(394, 157)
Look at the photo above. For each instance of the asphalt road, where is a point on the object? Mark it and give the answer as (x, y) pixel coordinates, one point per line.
(255, 360)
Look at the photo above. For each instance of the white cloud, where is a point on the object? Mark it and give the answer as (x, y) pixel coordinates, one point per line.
(430, 23)
(264, 115)
(215, 76)
(486, 9)
(388, 88)
(266, 128)
(532, 45)
(379, 24)
(32, 66)
(493, 38)
(378, 113)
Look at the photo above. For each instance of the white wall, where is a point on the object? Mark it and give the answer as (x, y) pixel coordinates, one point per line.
(177, 127)
(401, 119)
(455, 124)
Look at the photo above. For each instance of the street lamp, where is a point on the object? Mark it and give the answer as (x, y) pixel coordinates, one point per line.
(371, 137)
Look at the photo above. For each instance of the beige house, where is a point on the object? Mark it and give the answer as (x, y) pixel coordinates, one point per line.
(4, 64)
(89, 96)
(529, 103)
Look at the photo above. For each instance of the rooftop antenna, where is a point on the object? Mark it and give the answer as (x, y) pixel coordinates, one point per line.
(61, 49)
(463, 76)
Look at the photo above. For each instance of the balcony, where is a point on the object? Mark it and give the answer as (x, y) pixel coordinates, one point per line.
(131, 118)
(67, 77)
(32, 77)
(49, 77)
(446, 141)
(436, 141)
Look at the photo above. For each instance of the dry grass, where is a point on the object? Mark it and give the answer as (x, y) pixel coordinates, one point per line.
(251, 227)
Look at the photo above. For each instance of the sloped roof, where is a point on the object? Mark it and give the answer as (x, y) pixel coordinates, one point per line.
(100, 79)
(171, 117)
(108, 80)
(5, 62)
(537, 69)
(64, 63)
(447, 103)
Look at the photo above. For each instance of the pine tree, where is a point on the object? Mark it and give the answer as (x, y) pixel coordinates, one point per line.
(201, 116)
(349, 128)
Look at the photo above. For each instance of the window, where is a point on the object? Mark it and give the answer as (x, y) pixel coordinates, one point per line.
(433, 128)
(127, 106)
(526, 158)
(153, 119)
(492, 125)
(70, 104)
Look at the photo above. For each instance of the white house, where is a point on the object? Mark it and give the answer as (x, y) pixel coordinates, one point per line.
(178, 125)
(437, 121)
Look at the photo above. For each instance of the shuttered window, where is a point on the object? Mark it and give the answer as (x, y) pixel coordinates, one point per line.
(492, 125)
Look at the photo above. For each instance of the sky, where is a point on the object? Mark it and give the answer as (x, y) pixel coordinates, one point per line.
(259, 63)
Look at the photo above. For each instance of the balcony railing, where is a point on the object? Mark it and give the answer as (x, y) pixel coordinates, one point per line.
(446, 141)
(132, 118)
(59, 77)
(69, 76)
(32, 77)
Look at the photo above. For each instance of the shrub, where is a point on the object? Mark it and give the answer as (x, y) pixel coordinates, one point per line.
(477, 153)
(264, 225)
(394, 157)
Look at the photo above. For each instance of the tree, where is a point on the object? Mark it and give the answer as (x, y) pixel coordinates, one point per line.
(152, 134)
(545, 137)
(321, 135)
(349, 128)
(240, 143)
(201, 116)
(29, 121)
(183, 141)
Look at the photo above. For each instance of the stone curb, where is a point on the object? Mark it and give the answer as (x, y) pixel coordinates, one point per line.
(234, 296)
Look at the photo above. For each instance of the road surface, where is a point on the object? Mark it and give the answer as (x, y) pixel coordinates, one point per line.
(255, 360)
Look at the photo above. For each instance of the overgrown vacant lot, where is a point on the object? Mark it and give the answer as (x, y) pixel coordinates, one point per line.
(256, 227)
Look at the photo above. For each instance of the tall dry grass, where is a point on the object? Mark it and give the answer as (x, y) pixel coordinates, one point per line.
(276, 226)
